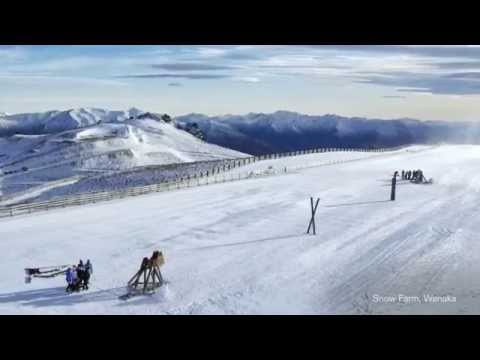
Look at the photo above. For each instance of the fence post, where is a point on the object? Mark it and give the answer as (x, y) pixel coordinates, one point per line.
(394, 183)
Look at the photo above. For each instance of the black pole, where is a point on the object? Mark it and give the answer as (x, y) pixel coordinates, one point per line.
(394, 185)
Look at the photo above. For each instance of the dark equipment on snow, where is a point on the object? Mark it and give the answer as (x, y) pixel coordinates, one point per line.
(44, 272)
(150, 273)
(419, 178)
(312, 220)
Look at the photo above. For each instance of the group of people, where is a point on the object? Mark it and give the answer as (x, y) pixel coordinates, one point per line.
(413, 175)
(78, 276)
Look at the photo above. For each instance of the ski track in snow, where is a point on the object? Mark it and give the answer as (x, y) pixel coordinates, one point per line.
(241, 247)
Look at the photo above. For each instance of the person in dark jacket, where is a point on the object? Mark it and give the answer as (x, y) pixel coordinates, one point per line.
(403, 174)
(81, 274)
(88, 267)
(87, 273)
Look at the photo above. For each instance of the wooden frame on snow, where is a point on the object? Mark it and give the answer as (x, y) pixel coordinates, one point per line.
(149, 272)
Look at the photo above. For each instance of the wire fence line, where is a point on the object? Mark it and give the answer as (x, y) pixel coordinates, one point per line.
(218, 173)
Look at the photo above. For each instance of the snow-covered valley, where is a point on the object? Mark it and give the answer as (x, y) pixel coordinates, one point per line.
(241, 248)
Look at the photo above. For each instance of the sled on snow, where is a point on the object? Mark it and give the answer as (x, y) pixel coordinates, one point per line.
(45, 272)
(423, 181)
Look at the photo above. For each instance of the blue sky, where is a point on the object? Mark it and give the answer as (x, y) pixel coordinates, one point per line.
(424, 82)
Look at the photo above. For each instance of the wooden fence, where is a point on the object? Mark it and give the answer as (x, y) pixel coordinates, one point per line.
(216, 174)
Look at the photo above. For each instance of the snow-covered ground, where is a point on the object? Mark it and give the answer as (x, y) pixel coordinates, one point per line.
(97, 157)
(241, 247)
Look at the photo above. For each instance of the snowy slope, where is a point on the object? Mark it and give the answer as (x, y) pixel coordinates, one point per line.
(241, 248)
(32, 162)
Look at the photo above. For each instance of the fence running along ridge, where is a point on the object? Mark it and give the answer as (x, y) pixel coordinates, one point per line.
(215, 175)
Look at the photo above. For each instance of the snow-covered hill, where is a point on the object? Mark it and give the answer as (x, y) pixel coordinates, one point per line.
(288, 131)
(57, 149)
(241, 247)
(56, 121)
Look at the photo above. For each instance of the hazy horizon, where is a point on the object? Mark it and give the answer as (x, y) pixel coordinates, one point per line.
(236, 114)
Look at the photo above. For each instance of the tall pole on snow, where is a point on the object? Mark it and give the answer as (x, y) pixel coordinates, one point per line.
(394, 186)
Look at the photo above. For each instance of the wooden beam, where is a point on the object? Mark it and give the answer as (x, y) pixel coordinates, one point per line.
(312, 220)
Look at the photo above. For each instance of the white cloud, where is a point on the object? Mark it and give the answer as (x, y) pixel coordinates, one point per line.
(248, 79)
(210, 52)
(36, 79)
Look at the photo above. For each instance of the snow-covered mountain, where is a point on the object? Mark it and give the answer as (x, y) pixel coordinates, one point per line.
(288, 131)
(56, 121)
(67, 149)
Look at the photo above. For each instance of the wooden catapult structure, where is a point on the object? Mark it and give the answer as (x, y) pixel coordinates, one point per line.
(148, 277)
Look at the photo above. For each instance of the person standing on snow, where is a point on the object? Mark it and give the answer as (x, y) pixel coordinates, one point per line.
(420, 176)
(75, 279)
(81, 274)
(69, 278)
(88, 267)
(87, 273)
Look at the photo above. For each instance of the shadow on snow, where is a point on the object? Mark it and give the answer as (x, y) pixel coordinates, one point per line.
(58, 297)
(248, 242)
(358, 203)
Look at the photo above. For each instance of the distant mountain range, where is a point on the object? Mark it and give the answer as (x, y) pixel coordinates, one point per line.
(258, 133)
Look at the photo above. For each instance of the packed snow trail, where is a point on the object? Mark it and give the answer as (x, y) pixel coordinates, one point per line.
(241, 247)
